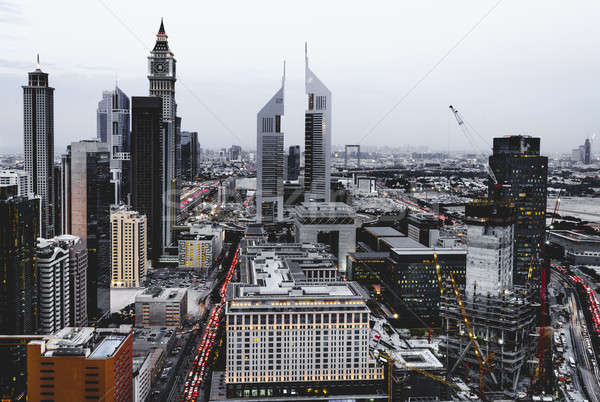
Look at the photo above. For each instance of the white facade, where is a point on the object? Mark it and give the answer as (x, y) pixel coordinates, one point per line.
(20, 178)
(317, 139)
(279, 331)
(270, 159)
(141, 378)
(128, 249)
(53, 286)
(489, 259)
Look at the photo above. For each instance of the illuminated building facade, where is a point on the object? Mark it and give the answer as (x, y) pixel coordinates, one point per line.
(290, 337)
(522, 176)
(129, 258)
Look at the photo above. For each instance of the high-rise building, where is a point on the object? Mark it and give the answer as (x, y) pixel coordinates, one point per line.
(490, 247)
(190, 154)
(20, 217)
(54, 285)
(587, 152)
(88, 197)
(317, 139)
(20, 178)
(162, 77)
(146, 168)
(78, 266)
(129, 253)
(58, 212)
(424, 229)
(81, 363)
(235, 153)
(269, 167)
(38, 128)
(288, 337)
(200, 247)
(113, 128)
(522, 176)
(293, 163)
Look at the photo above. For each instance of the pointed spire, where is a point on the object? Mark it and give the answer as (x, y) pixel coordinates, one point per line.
(38, 67)
(161, 30)
(306, 53)
(283, 77)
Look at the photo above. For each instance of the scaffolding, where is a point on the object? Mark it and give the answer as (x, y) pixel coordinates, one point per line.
(504, 326)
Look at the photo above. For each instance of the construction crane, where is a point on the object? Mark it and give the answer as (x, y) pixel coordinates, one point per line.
(485, 364)
(470, 138)
(390, 367)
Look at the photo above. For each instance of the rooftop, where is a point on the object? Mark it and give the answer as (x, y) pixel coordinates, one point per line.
(401, 242)
(384, 231)
(158, 294)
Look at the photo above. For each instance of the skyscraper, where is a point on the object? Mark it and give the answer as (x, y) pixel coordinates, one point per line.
(128, 245)
(88, 198)
(522, 175)
(113, 128)
(146, 167)
(190, 154)
(269, 167)
(162, 77)
(317, 139)
(587, 152)
(293, 164)
(20, 217)
(38, 129)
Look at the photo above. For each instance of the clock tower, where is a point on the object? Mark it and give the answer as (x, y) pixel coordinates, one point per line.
(161, 74)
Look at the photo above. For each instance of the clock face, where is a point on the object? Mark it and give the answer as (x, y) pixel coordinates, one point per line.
(160, 67)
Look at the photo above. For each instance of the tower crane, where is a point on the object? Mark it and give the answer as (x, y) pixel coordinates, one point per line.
(470, 138)
(485, 364)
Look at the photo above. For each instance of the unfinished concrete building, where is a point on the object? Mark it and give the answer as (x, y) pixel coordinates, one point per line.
(502, 317)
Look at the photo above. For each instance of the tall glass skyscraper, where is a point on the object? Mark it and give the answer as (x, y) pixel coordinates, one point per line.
(113, 128)
(317, 139)
(522, 176)
(38, 130)
(269, 167)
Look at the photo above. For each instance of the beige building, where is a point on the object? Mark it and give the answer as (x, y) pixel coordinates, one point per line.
(128, 249)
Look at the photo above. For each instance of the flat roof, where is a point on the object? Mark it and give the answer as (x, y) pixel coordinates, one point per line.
(107, 347)
(401, 242)
(384, 231)
(575, 236)
(429, 250)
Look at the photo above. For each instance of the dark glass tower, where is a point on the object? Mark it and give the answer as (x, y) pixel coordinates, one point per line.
(147, 131)
(88, 197)
(38, 130)
(189, 154)
(522, 175)
(293, 165)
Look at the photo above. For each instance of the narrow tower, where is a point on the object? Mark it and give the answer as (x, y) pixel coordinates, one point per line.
(38, 130)
(317, 138)
(269, 170)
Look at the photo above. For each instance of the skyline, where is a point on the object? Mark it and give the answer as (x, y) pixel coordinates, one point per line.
(543, 87)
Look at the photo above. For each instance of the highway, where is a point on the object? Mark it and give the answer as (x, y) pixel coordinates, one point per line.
(578, 341)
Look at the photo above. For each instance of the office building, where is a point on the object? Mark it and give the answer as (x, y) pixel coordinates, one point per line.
(38, 129)
(158, 307)
(198, 250)
(286, 337)
(235, 153)
(88, 197)
(146, 171)
(20, 178)
(490, 237)
(162, 77)
(332, 223)
(54, 298)
(129, 251)
(269, 166)
(424, 228)
(20, 217)
(58, 212)
(113, 129)
(317, 139)
(293, 163)
(587, 152)
(81, 363)
(522, 175)
(190, 154)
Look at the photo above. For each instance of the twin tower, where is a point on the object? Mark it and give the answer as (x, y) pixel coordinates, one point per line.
(270, 154)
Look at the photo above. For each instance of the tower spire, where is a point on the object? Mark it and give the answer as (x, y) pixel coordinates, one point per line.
(306, 53)
(283, 77)
(161, 30)
(38, 67)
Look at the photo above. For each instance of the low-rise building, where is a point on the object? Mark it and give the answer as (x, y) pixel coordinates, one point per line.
(578, 248)
(77, 364)
(158, 307)
(200, 247)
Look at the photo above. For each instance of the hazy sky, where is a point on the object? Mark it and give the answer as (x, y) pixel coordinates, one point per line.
(531, 66)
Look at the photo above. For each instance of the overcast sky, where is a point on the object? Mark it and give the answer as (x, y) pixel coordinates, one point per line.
(530, 67)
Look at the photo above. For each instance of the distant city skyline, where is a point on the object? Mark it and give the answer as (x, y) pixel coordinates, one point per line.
(536, 78)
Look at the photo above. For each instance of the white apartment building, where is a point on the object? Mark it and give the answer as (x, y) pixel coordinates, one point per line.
(53, 286)
(20, 178)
